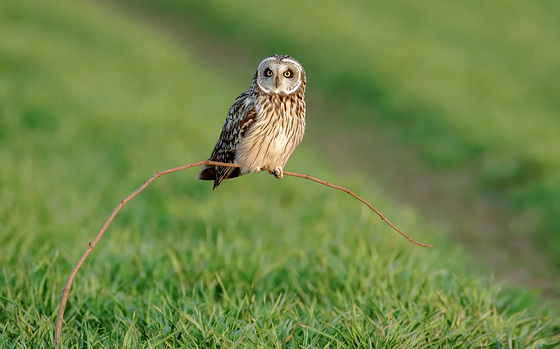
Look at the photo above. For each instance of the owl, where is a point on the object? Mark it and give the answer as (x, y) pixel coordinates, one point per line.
(264, 125)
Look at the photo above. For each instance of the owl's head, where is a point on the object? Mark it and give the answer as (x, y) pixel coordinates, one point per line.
(281, 75)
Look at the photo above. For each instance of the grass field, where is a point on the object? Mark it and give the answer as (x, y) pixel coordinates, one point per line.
(93, 102)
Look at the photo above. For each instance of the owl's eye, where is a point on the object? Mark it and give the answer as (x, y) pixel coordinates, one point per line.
(268, 72)
(288, 73)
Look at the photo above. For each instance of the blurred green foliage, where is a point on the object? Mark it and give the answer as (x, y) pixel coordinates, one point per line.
(468, 86)
(92, 103)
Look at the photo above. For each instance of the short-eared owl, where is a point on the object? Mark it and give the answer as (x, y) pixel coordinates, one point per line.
(264, 125)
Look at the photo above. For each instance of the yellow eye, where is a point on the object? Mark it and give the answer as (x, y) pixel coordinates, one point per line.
(268, 72)
(288, 73)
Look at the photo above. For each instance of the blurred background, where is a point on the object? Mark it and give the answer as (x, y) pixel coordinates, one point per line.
(448, 109)
(452, 109)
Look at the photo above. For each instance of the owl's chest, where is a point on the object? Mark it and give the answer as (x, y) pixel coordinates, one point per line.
(271, 139)
(272, 131)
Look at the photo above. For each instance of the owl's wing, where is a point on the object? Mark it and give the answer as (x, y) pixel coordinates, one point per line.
(241, 115)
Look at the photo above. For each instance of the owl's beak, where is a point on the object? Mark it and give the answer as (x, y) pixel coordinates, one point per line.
(276, 81)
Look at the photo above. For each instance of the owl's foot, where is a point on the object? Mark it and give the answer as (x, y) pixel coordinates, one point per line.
(277, 172)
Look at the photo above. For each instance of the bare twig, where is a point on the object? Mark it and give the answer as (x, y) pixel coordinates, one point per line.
(294, 329)
(91, 245)
(306, 176)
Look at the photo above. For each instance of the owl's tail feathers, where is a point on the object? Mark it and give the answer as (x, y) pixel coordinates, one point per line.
(217, 174)
(208, 173)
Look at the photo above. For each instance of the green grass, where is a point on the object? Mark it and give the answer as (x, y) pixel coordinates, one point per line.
(91, 104)
(470, 87)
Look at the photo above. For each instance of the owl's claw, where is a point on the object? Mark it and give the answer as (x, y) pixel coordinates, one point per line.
(278, 173)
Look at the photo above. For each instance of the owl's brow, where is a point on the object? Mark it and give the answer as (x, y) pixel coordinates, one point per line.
(266, 60)
(293, 61)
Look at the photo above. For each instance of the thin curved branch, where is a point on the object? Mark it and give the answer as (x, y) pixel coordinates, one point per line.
(91, 245)
(306, 176)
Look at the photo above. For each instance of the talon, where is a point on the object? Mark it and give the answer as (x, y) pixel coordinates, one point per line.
(278, 173)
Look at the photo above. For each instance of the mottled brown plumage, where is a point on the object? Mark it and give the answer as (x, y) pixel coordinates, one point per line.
(264, 125)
